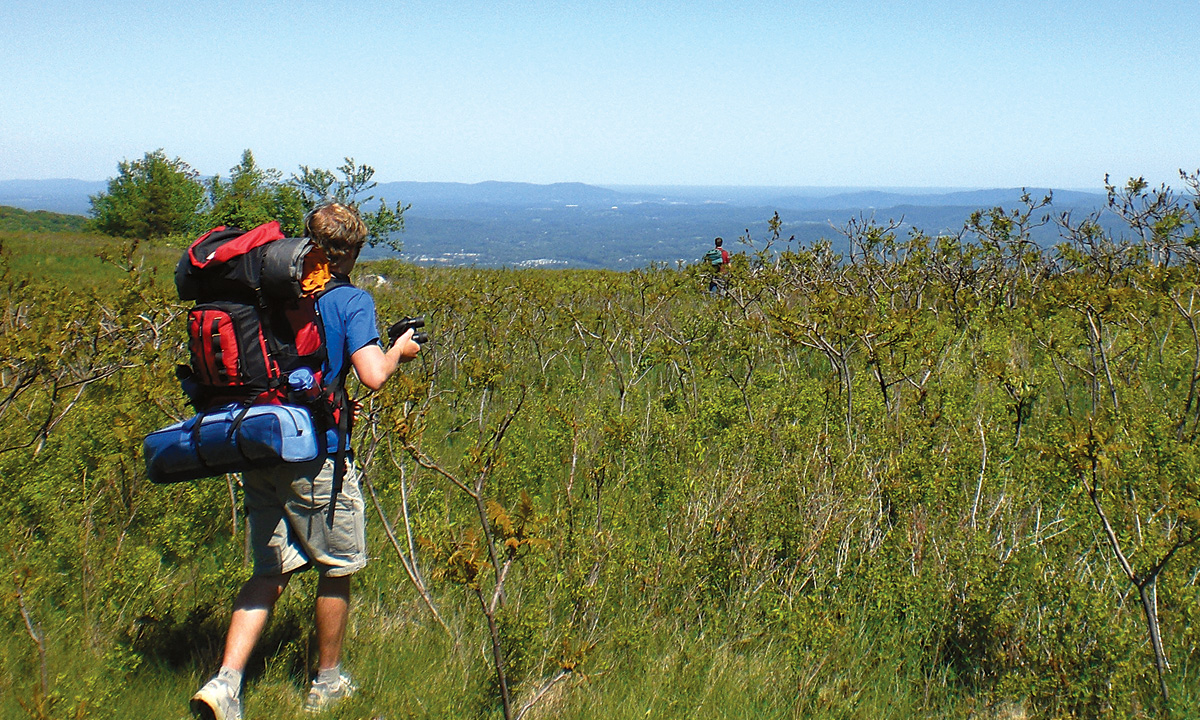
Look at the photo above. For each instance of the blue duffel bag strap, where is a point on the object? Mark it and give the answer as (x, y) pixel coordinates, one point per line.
(196, 438)
(237, 425)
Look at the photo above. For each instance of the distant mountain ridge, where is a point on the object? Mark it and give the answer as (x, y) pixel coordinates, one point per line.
(493, 192)
(71, 196)
(510, 193)
(579, 225)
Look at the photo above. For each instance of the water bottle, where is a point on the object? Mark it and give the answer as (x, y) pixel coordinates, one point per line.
(302, 385)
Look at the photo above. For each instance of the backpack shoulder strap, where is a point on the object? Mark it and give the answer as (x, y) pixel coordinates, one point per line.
(344, 412)
(338, 280)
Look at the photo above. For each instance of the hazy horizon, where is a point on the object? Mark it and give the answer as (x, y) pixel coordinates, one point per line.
(802, 189)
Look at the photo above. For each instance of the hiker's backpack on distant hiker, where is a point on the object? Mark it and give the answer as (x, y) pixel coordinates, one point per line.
(714, 257)
(256, 340)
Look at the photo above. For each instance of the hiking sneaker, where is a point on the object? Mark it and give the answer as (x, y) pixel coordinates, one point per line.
(324, 695)
(217, 700)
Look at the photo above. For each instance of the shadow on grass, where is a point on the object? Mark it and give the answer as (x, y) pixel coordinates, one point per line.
(196, 640)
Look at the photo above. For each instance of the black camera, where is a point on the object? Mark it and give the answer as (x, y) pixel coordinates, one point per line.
(403, 326)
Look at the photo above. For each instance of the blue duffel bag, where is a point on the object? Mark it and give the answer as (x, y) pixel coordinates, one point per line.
(233, 438)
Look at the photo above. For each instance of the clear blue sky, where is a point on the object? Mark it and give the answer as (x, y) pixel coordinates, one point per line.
(920, 93)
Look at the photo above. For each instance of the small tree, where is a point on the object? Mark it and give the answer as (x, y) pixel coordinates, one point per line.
(149, 198)
(320, 185)
(252, 196)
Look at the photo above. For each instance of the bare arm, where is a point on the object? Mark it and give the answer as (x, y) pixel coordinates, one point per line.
(374, 366)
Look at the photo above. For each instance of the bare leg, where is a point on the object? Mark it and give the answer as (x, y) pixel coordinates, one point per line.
(333, 609)
(251, 611)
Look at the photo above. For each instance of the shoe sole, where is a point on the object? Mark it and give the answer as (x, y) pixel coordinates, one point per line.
(204, 710)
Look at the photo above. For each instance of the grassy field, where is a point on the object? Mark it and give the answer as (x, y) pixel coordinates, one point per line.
(843, 489)
(79, 258)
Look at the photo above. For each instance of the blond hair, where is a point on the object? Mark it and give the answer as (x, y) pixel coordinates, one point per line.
(337, 229)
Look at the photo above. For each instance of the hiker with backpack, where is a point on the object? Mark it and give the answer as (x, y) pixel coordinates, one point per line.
(305, 515)
(717, 258)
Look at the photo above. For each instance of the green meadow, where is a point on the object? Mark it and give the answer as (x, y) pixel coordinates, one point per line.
(938, 477)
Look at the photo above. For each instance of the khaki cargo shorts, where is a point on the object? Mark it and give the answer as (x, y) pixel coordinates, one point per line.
(290, 527)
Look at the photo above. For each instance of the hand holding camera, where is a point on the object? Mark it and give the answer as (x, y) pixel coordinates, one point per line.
(404, 325)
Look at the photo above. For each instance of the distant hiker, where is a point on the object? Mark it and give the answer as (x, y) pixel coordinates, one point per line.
(717, 258)
(290, 524)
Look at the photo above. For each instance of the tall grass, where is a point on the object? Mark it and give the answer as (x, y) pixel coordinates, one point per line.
(75, 259)
(715, 537)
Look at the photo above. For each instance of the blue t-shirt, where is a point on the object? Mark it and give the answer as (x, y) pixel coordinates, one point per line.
(348, 315)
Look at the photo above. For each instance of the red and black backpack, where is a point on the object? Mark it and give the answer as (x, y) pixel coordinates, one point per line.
(255, 337)
(255, 321)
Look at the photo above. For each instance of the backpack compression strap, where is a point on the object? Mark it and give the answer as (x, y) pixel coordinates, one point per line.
(340, 409)
(345, 424)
